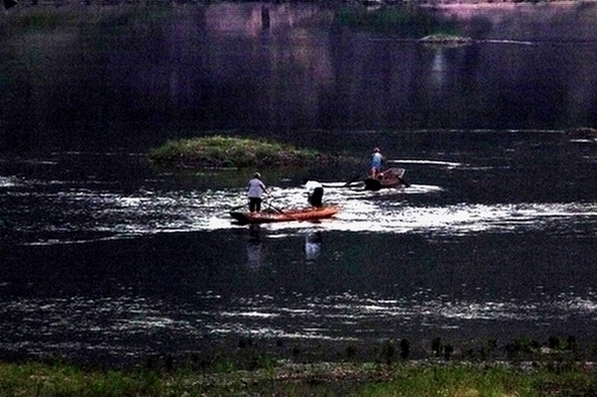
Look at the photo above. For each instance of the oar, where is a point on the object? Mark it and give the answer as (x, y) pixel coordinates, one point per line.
(406, 184)
(354, 178)
(231, 210)
(351, 180)
(283, 213)
(237, 207)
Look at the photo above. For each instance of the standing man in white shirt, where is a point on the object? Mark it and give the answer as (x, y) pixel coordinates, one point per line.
(255, 191)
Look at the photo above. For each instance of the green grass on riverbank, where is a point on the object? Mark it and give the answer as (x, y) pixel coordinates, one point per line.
(340, 379)
(219, 151)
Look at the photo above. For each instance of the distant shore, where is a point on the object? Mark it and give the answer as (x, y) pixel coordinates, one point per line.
(498, 3)
(432, 3)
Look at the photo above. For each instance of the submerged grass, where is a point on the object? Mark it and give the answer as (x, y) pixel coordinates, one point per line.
(220, 151)
(450, 379)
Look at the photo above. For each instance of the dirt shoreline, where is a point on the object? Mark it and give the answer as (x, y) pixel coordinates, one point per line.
(506, 3)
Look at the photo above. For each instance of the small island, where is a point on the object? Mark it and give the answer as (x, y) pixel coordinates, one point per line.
(232, 152)
(446, 40)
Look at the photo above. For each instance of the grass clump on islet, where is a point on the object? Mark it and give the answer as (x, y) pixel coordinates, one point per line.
(219, 151)
(446, 40)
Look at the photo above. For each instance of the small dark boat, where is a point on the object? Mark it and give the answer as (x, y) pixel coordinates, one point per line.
(373, 3)
(582, 133)
(297, 214)
(390, 178)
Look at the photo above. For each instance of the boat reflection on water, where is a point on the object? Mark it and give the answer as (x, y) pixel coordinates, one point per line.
(254, 247)
(313, 240)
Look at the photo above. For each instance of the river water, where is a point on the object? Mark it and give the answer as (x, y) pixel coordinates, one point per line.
(106, 258)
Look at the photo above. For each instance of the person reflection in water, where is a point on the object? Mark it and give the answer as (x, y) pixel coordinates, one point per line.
(254, 247)
(313, 245)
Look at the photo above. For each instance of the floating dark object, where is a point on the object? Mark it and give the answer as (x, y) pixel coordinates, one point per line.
(582, 133)
(373, 3)
(265, 19)
(8, 4)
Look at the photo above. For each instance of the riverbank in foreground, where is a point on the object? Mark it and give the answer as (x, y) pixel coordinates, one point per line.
(418, 379)
(523, 367)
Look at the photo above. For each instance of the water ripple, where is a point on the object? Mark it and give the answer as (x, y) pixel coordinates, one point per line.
(79, 215)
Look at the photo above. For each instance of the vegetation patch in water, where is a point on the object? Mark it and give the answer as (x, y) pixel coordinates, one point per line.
(446, 39)
(219, 151)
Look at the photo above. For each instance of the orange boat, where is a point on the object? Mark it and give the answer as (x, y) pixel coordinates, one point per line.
(300, 214)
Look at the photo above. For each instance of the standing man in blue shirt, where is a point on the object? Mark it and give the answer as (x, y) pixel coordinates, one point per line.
(377, 161)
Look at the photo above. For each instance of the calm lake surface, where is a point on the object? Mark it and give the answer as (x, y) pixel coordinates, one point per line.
(105, 258)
